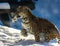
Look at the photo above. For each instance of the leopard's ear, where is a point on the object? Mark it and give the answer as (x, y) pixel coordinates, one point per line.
(19, 7)
(26, 7)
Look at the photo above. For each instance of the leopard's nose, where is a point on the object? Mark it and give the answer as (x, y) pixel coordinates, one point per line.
(18, 16)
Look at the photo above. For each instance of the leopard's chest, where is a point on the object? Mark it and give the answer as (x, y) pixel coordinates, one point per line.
(28, 27)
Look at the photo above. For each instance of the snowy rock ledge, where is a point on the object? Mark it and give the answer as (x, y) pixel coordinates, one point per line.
(9, 36)
(12, 37)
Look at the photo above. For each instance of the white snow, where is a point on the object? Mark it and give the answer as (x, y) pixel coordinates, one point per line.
(13, 37)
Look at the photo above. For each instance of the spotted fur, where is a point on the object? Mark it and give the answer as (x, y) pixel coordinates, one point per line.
(42, 29)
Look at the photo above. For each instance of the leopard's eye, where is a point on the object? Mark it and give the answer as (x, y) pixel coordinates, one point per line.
(24, 18)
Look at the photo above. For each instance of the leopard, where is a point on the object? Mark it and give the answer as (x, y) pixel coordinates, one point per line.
(42, 29)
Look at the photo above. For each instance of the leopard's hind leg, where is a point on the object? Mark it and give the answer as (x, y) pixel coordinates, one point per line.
(40, 37)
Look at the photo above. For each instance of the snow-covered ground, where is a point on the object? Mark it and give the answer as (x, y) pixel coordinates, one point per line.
(13, 37)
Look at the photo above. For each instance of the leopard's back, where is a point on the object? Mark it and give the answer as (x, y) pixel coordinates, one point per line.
(42, 25)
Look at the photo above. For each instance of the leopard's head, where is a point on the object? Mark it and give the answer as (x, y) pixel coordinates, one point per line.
(24, 13)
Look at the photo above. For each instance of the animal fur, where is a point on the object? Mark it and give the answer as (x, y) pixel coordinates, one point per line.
(42, 29)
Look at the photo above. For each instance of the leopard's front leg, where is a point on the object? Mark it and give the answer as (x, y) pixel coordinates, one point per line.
(24, 32)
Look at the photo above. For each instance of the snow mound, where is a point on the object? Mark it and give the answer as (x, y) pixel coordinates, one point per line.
(13, 37)
(8, 36)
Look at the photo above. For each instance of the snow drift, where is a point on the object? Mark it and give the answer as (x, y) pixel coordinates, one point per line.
(13, 37)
